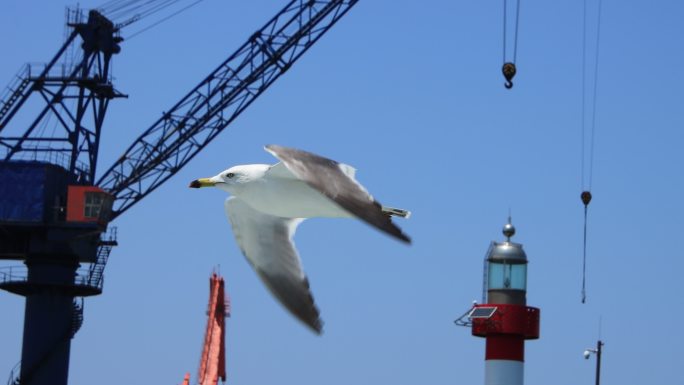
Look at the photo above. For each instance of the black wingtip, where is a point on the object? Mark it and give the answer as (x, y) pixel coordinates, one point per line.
(314, 324)
(391, 229)
(405, 238)
(317, 327)
(399, 235)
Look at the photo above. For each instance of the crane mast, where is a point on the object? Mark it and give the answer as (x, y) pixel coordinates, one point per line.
(185, 129)
(85, 80)
(51, 216)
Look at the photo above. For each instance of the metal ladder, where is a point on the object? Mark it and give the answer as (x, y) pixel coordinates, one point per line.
(15, 90)
(107, 242)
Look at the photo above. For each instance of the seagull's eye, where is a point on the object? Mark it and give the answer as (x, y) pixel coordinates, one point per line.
(230, 175)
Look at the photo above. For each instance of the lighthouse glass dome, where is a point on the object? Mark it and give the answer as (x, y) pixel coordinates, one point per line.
(507, 276)
(506, 267)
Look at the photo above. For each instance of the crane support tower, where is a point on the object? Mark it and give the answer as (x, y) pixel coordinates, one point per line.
(504, 319)
(51, 215)
(54, 216)
(213, 360)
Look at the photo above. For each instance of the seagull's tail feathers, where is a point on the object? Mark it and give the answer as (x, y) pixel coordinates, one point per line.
(392, 211)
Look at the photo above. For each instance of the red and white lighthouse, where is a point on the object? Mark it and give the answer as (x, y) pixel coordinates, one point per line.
(505, 320)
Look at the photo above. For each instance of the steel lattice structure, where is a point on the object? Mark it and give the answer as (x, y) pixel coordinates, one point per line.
(179, 135)
(86, 81)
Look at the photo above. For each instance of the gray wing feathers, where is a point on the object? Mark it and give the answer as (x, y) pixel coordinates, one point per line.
(266, 242)
(336, 181)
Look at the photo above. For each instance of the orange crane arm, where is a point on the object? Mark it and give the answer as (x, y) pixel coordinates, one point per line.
(213, 361)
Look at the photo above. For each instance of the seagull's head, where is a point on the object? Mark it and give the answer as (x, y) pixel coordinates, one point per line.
(231, 179)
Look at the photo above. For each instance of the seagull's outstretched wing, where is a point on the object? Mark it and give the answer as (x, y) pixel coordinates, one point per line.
(266, 242)
(336, 181)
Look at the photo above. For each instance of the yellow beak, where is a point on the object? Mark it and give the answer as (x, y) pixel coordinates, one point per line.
(202, 182)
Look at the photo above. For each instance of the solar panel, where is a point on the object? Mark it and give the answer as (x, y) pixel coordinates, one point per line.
(482, 312)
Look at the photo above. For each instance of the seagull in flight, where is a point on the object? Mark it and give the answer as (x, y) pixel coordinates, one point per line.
(268, 202)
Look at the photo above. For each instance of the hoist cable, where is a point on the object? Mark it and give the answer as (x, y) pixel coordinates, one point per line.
(145, 9)
(125, 12)
(515, 27)
(515, 38)
(156, 8)
(593, 109)
(584, 98)
(164, 19)
(505, 16)
(584, 88)
(584, 258)
(586, 187)
(118, 8)
(508, 69)
(588, 168)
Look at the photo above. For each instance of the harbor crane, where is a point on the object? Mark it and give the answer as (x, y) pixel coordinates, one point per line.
(55, 212)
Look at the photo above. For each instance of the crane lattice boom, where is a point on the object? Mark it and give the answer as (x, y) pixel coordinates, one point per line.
(174, 139)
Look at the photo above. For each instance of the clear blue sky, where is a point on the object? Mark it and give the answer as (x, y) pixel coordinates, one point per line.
(411, 94)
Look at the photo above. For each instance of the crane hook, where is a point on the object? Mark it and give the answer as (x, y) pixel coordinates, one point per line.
(508, 71)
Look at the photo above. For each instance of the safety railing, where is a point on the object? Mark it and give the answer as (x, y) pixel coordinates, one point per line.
(58, 158)
(11, 275)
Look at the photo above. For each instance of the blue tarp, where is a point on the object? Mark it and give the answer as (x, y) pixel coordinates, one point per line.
(31, 191)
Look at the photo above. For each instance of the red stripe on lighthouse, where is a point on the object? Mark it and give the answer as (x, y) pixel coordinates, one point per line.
(505, 347)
